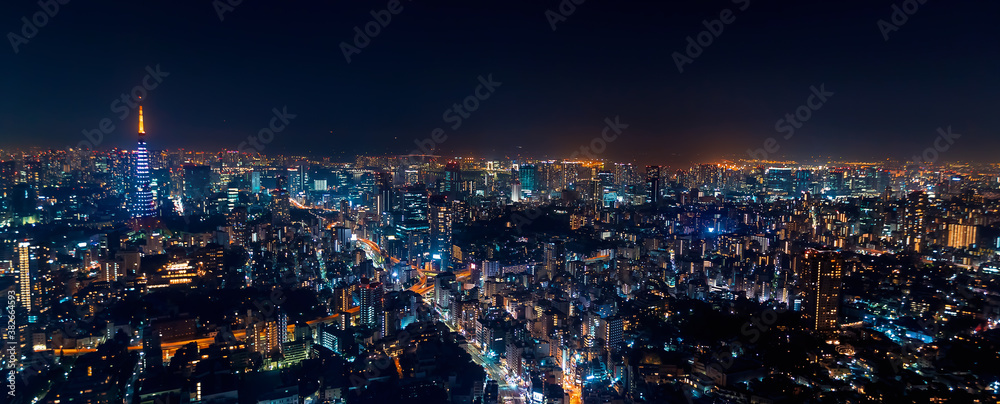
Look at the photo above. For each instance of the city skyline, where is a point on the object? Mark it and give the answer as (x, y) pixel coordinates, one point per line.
(556, 202)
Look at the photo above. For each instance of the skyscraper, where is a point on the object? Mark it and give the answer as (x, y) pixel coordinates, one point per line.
(822, 282)
(197, 188)
(413, 226)
(440, 230)
(652, 184)
(384, 199)
(779, 181)
(238, 222)
(23, 257)
(528, 174)
(453, 180)
(142, 194)
(371, 302)
(280, 207)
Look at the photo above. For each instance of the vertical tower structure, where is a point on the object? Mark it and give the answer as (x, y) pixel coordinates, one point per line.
(142, 195)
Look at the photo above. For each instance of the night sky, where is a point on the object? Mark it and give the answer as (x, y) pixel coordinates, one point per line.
(608, 58)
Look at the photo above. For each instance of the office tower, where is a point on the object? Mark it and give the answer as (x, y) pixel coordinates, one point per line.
(160, 184)
(238, 223)
(453, 180)
(822, 279)
(413, 225)
(383, 202)
(836, 181)
(608, 192)
(440, 230)
(652, 184)
(371, 295)
(197, 188)
(779, 181)
(298, 179)
(280, 203)
(803, 181)
(528, 174)
(914, 220)
(22, 200)
(320, 185)
(280, 207)
(515, 190)
(255, 182)
(142, 194)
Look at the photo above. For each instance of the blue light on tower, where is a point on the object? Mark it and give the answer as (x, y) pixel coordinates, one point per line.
(142, 196)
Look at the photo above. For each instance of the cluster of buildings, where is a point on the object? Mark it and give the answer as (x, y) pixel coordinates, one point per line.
(153, 276)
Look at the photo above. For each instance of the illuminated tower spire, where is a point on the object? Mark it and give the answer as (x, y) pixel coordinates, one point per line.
(142, 195)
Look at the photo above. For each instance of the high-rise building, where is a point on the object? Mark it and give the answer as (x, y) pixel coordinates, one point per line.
(779, 181)
(413, 225)
(822, 278)
(607, 192)
(528, 174)
(914, 221)
(22, 202)
(440, 214)
(24, 275)
(266, 336)
(197, 188)
(961, 235)
(142, 194)
(238, 223)
(384, 200)
(371, 296)
(280, 203)
(453, 180)
(652, 184)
